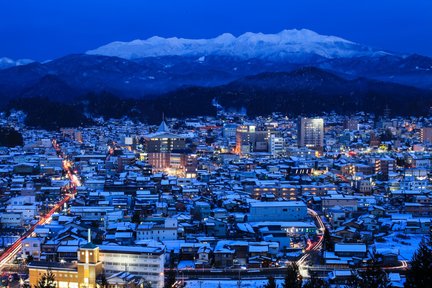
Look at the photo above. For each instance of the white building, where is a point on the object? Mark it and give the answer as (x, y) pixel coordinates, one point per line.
(277, 211)
(11, 219)
(31, 247)
(159, 232)
(91, 213)
(28, 211)
(276, 145)
(147, 262)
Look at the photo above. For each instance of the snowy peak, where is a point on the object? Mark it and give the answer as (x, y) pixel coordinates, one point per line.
(7, 62)
(287, 44)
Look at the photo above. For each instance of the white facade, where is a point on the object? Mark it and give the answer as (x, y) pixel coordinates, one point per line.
(28, 211)
(31, 246)
(11, 219)
(167, 231)
(147, 262)
(277, 211)
(276, 145)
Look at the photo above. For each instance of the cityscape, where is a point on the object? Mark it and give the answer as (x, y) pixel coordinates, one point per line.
(261, 160)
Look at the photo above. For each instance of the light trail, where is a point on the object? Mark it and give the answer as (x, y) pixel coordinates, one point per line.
(10, 252)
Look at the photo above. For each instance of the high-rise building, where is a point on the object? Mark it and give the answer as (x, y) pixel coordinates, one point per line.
(351, 124)
(310, 133)
(426, 134)
(276, 145)
(250, 138)
(245, 137)
(167, 151)
(163, 141)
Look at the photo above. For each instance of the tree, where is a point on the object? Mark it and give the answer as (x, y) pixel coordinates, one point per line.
(102, 280)
(271, 283)
(171, 277)
(47, 280)
(136, 217)
(293, 278)
(9, 137)
(29, 259)
(315, 282)
(327, 241)
(372, 277)
(419, 275)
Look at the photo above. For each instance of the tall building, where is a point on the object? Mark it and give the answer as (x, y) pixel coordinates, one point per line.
(167, 152)
(250, 138)
(245, 137)
(163, 141)
(351, 124)
(426, 134)
(310, 133)
(276, 145)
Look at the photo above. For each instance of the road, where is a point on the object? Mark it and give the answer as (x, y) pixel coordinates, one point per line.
(10, 252)
(312, 247)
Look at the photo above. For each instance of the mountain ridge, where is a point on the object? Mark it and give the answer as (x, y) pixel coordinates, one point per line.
(295, 44)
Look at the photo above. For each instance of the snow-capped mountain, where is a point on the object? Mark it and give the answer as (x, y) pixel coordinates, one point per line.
(287, 44)
(7, 62)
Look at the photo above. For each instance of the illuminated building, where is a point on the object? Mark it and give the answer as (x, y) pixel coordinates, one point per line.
(310, 133)
(145, 262)
(83, 274)
(163, 141)
(167, 152)
(250, 138)
(426, 134)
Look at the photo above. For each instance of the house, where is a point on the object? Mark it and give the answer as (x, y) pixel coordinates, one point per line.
(31, 246)
(205, 257)
(215, 227)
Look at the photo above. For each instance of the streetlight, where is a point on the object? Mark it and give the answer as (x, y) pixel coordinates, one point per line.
(239, 278)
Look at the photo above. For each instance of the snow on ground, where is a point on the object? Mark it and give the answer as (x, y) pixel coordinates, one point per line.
(406, 247)
(229, 283)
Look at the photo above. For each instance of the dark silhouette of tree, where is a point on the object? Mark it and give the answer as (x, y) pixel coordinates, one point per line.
(293, 278)
(9, 137)
(327, 241)
(420, 273)
(271, 282)
(372, 277)
(47, 280)
(387, 135)
(315, 282)
(102, 280)
(171, 277)
(29, 259)
(136, 217)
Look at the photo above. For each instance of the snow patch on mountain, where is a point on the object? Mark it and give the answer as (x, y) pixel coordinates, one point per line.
(292, 44)
(6, 62)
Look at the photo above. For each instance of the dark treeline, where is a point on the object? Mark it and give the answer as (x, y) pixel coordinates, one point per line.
(9, 137)
(305, 91)
(47, 114)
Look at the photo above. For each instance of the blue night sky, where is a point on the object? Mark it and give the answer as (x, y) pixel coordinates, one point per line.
(48, 29)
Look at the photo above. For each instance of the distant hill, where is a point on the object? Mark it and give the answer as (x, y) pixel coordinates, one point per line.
(294, 71)
(307, 90)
